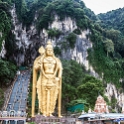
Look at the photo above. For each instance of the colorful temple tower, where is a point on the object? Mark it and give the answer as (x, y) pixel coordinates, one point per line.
(100, 106)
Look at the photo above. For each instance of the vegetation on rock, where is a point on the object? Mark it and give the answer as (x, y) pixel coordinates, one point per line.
(7, 73)
(5, 21)
(106, 34)
(54, 33)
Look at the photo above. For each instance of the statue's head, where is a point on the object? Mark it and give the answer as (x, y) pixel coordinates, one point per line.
(49, 49)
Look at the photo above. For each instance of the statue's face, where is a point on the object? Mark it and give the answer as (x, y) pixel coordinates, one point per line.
(49, 51)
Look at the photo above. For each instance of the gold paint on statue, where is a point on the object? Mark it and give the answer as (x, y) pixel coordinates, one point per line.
(48, 85)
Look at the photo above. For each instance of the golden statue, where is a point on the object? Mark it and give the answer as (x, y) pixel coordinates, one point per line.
(49, 82)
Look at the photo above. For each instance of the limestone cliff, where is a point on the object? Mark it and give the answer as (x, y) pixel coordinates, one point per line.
(3, 50)
(112, 91)
(29, 40)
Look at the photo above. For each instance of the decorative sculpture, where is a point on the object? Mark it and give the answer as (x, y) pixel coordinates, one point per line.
(49, 84)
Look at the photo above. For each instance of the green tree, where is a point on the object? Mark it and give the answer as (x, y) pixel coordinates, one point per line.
(113, 34)
(109, 46)
(72, 77)
(21, 10)
(7, 73)
(54, 33)
(71, 38)
(5, 21)
(57, 50)
(89, 89)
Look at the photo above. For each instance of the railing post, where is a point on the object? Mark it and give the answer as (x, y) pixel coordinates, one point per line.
(6, 121)
(24, 121)
(15, 121)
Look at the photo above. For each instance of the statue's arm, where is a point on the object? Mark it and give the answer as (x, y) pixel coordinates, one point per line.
(60, 87)
(37, 63)
(59, 69)
(43, 72)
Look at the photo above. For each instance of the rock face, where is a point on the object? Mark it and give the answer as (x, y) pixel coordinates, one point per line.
(29, 41)
(100, 106)
(3, 50)
(111, 91)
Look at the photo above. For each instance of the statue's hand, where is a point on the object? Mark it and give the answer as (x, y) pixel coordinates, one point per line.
(57, 79)
(36, 67)
(60, 116)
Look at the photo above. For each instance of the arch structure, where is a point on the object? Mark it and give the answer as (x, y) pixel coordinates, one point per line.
(12, 115)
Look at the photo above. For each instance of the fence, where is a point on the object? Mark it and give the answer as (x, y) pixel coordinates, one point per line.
(39, 119)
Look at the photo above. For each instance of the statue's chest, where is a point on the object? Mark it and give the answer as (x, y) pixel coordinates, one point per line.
(49, 64)
(49, 60)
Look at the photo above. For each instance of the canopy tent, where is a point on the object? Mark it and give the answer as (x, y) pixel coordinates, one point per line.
(77, 107)
(87, 115)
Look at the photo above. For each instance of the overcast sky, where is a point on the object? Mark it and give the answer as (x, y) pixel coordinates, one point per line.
(102, 6)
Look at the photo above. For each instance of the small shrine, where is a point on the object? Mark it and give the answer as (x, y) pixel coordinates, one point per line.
(100, 106)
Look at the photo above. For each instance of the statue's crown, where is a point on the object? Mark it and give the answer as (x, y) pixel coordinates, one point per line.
(49, 44)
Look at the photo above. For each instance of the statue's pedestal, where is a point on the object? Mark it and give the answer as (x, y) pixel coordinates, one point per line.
(39, 119)
(33, 119)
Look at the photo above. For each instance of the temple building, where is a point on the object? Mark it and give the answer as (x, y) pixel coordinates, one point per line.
(100, 106)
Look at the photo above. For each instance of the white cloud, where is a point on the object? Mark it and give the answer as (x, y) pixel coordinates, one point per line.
(102, 6)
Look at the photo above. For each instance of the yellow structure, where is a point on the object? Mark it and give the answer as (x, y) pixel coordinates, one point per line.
(49, 84)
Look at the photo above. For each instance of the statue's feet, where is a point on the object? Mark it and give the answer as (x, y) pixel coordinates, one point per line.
(44, 115)
(60, 116)
(51, 115)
